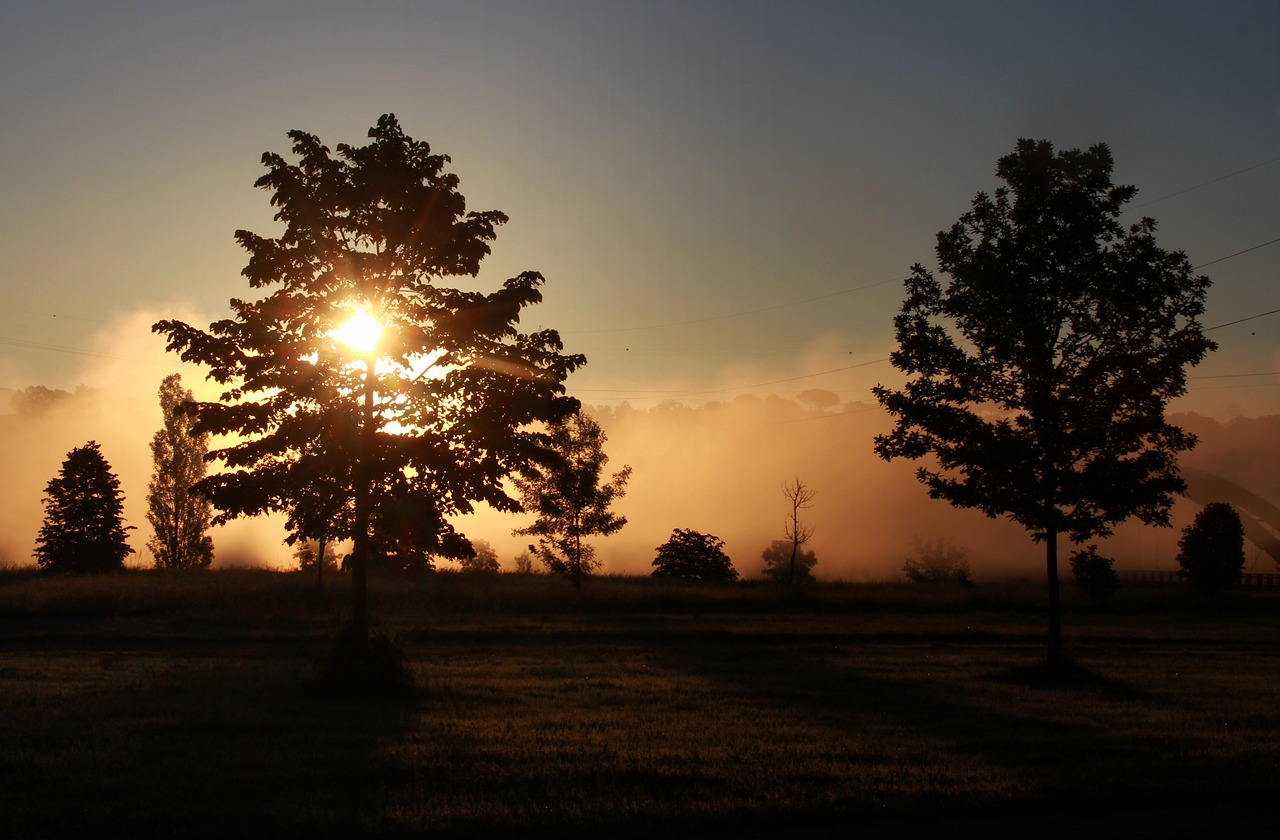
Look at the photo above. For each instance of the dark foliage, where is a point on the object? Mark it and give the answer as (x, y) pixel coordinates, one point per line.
(1095, 575)
(570, 500)
(1038, 375)
(367, 663)
(690, 555)
(788, 564)
(1211, 550)
(380, 443)
(83, 528)
(938, 561)
(482, 560)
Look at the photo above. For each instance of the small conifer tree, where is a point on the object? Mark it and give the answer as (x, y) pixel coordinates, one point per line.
(83, 528)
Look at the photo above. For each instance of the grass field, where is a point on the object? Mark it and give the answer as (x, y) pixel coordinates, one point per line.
(182, 705)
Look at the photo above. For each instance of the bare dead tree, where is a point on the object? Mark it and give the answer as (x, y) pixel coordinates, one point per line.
(801, 497)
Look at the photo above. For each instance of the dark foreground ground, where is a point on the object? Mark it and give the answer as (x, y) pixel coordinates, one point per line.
(151, 705)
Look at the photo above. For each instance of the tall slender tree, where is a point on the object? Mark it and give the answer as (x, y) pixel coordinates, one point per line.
(1038, 376)
(179, 517)
(83, 528)
(412, 399)
(570, 500)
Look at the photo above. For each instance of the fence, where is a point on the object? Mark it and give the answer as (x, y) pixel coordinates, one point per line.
(1251, 580)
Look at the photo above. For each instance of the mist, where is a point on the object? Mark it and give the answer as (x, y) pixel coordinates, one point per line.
(718, 467)
(116, 404)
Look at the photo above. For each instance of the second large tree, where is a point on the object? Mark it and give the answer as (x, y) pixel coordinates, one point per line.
(1038, 375)
(419, 415)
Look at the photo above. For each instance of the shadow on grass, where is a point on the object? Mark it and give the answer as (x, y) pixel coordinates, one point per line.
(140, 744)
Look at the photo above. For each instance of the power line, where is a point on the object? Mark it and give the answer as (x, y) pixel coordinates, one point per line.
(1241, 320)
(60, 348)
(1236, 254)
(1206, 183)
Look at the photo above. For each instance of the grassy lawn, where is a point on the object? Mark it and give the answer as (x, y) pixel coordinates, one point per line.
(181, 705)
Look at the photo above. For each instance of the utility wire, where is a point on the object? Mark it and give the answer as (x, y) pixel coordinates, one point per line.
(1241, 320)
(1236, 254)
(1206, 183)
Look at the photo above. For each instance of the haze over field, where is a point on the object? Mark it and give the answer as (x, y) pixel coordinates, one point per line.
(723, 197)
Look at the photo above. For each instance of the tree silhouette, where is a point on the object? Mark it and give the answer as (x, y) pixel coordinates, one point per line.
(569, 499)
(784, 563)
(1211, 549)
(801, 497)
(178, 517)
(483, 560)
(413, 400)
(83, 528)
(690, 555)
(1039, 375)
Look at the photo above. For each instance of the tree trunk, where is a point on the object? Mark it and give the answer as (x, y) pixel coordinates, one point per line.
(1055, 602)
(320, 563)
(360, 546)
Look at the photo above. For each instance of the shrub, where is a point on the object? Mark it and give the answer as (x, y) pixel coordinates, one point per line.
(689, 555)
(483, 560)
(937, 561)
(1094, 574)
(1211, 550)
(372, 666)
(777, 562)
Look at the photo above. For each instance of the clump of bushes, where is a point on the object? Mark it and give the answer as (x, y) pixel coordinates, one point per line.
(1095, 575)
(937, 560)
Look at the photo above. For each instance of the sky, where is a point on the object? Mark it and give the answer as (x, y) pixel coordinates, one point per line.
(723, 196)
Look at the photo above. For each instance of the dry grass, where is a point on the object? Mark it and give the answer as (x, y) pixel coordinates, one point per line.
(155, 705)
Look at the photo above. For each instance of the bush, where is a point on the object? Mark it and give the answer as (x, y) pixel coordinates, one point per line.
(937, 561)
(373, 667)
(689, 555)
(1211, 550)
(483, 560)
(777, 562)
(1095, 576)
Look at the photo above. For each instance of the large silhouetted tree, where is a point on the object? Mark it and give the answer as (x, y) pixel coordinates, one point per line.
(1038, 375)
(571, 500)
(179, 517)
(358, 367)
(83, 528)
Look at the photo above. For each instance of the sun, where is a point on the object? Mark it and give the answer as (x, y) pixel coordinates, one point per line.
(360, 332)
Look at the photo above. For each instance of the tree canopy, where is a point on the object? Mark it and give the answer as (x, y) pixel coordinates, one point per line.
(83, 528)
(787, 563)
(1038, 375)
(179, 517)
(1211, 548)
(690, 555)
(571, 499)
(422, 415)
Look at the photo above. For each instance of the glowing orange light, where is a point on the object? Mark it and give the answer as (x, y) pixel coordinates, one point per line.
(360, 332)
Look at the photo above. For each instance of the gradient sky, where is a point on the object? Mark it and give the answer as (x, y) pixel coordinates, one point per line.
(722, 195)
